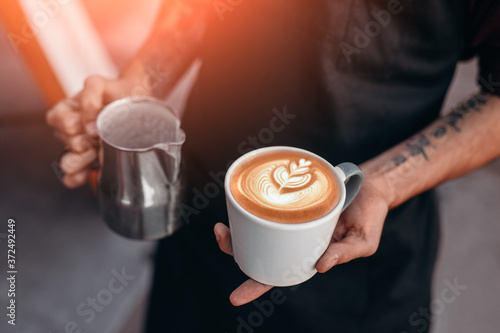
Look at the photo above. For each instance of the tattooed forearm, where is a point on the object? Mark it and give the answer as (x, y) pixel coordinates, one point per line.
(453, 145)
(424, 143)
(172, 45)
(460, 112)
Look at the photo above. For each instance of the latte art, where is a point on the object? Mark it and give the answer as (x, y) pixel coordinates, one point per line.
(287, 187)
(296, 177)
(280, 184)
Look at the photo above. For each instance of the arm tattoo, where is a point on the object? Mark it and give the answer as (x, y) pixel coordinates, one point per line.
(174, 42)
(463, 110)
(421, 143)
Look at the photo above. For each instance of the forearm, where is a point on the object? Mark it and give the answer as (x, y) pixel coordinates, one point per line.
(170, 49)
(465, 139)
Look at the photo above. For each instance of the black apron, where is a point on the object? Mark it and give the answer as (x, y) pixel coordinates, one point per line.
(346, 80)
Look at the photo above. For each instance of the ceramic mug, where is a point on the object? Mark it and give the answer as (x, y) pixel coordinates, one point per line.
(285, 254)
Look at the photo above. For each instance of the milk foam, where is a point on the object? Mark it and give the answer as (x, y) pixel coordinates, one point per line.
(289, 188)
(284, 184)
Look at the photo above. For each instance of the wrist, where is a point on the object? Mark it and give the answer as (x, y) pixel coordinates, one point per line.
(135, 80)
(378, 180)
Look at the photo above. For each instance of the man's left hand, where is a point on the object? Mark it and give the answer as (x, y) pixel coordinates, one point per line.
(356, 235)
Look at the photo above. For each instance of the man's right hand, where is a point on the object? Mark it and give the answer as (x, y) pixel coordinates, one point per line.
(170, 49)
(74, 119)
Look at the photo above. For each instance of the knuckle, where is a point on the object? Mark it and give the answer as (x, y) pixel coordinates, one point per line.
(70, 125)
(91, 99)
(89, 105)
(93, 80)
(90, 155)
(49, 117)
(80, 143)
(372, 248)
(334, 259)
(71, 162)
(53, 115)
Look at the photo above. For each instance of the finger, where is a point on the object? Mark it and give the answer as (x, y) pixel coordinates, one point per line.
(92, 102)
(72, 163)
(351, 247)
(247, 292)
(78, 143)
(64, 119)
(223, 236)
(76, 180)
(340, 232)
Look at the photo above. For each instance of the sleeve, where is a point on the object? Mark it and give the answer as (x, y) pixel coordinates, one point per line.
(484, 41)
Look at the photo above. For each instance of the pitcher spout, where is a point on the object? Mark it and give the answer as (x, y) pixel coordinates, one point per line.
(169, 155)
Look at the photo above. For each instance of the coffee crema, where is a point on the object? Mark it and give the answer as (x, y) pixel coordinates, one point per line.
(285, 187)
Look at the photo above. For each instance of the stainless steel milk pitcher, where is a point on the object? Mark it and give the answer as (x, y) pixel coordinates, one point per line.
(140, 153)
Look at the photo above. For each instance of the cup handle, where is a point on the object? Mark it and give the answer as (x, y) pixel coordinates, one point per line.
(353, 179)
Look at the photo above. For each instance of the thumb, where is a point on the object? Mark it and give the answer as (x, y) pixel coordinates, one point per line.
(223, 236)
(91, 102)
(345, 250)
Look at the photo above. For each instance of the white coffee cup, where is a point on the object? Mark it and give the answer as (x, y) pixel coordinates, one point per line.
(285, 254)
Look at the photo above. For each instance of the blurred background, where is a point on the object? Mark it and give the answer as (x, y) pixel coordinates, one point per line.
(65, 254)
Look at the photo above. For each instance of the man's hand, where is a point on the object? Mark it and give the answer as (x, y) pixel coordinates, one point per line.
(357, 235)
(359, 229)
(169, 50)
(74, 123)
(463, 140)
